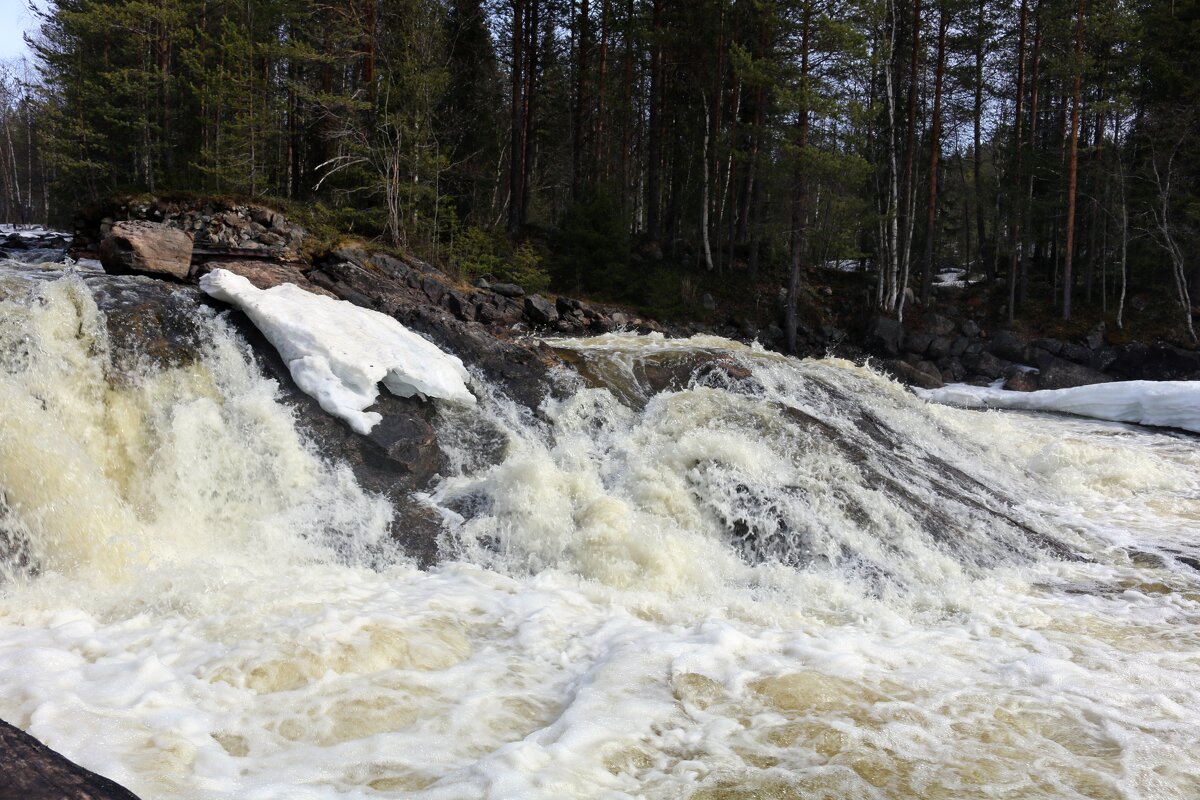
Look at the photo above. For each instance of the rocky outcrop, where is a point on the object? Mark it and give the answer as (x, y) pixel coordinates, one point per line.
(217, 229)
(148, 248)
(935, 349)
(32, 771)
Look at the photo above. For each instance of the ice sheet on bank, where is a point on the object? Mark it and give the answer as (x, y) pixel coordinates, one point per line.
(338, 352)
(1168, 404)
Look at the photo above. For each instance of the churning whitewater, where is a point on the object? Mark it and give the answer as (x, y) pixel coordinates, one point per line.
(772, 579)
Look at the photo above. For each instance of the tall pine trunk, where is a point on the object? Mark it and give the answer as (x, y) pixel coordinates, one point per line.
(1073, 161)
(800, 199)
(935, 154)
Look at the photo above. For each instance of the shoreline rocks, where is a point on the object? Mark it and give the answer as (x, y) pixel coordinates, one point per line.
(133, 247)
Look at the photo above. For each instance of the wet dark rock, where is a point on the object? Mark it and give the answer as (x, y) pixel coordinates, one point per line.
(922, 374)
(434, 289)
(885, 335)
(539, 310)
(937, 325)
(148, 320)
(32, 771)
(987, 365)
(390, 266)
(565, 305)
(917, 342)
(969, 328)
(1102, 358)
(398, 457)
(939, 347)
(500, 310)
(459, 306)
(1008, 345)
(1058, 373)
(1078, 353)
(1051, 346)
(664, 372)
(519, 369)
(953, 370)
(959, 346)
(1022, 380)
(1134, 362)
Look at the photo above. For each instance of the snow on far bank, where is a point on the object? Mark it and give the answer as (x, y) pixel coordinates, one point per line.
(27, 231)
(1165, 404)
(339, 353)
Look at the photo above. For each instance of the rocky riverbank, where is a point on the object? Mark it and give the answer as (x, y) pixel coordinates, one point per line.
(927, 350)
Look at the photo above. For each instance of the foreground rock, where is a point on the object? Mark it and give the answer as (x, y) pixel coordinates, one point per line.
(31, 771)
(148, 248)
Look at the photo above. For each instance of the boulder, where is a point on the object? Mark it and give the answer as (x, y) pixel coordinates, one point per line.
(1080, 354)
(987, 365)
(499, 310)
(885, 335)
(917, 342)
(1051, 346)
(458, 305)
(1022, 380)
(939, 347)
(938, 325)
(566, 305)
(146, 247)
(1155, 363)
(508, 289)
(915, 375)
(969, 327)
(539, 310)
(1058, 373)
(1008, 345)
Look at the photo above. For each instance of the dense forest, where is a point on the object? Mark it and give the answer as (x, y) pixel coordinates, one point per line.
(1049, 147)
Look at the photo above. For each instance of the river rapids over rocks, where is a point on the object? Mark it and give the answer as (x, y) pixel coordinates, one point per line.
(698, 570)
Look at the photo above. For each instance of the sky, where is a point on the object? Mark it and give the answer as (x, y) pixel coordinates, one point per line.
(15, 19)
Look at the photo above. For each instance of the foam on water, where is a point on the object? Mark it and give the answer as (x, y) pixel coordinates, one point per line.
(803, 582)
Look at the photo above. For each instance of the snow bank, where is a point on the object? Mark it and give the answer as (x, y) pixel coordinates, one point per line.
(1168, 404)
(28, 231)
(339, 353)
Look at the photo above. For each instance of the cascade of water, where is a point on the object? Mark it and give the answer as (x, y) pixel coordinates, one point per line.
(706, 571)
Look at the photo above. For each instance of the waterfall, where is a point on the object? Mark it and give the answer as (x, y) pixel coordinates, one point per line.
(698, 569)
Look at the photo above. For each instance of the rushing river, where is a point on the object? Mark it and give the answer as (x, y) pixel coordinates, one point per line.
(788, 579)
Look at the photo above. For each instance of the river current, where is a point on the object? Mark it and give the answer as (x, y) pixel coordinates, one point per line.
(784, 579)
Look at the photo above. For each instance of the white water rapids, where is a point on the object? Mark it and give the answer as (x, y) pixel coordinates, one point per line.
(806, 583)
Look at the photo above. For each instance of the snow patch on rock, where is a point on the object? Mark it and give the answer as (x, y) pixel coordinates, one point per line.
(1166, 404)
(339, 353)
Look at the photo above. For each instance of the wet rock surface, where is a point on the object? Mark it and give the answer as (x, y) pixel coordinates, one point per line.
(31, 771)
(149, 319)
